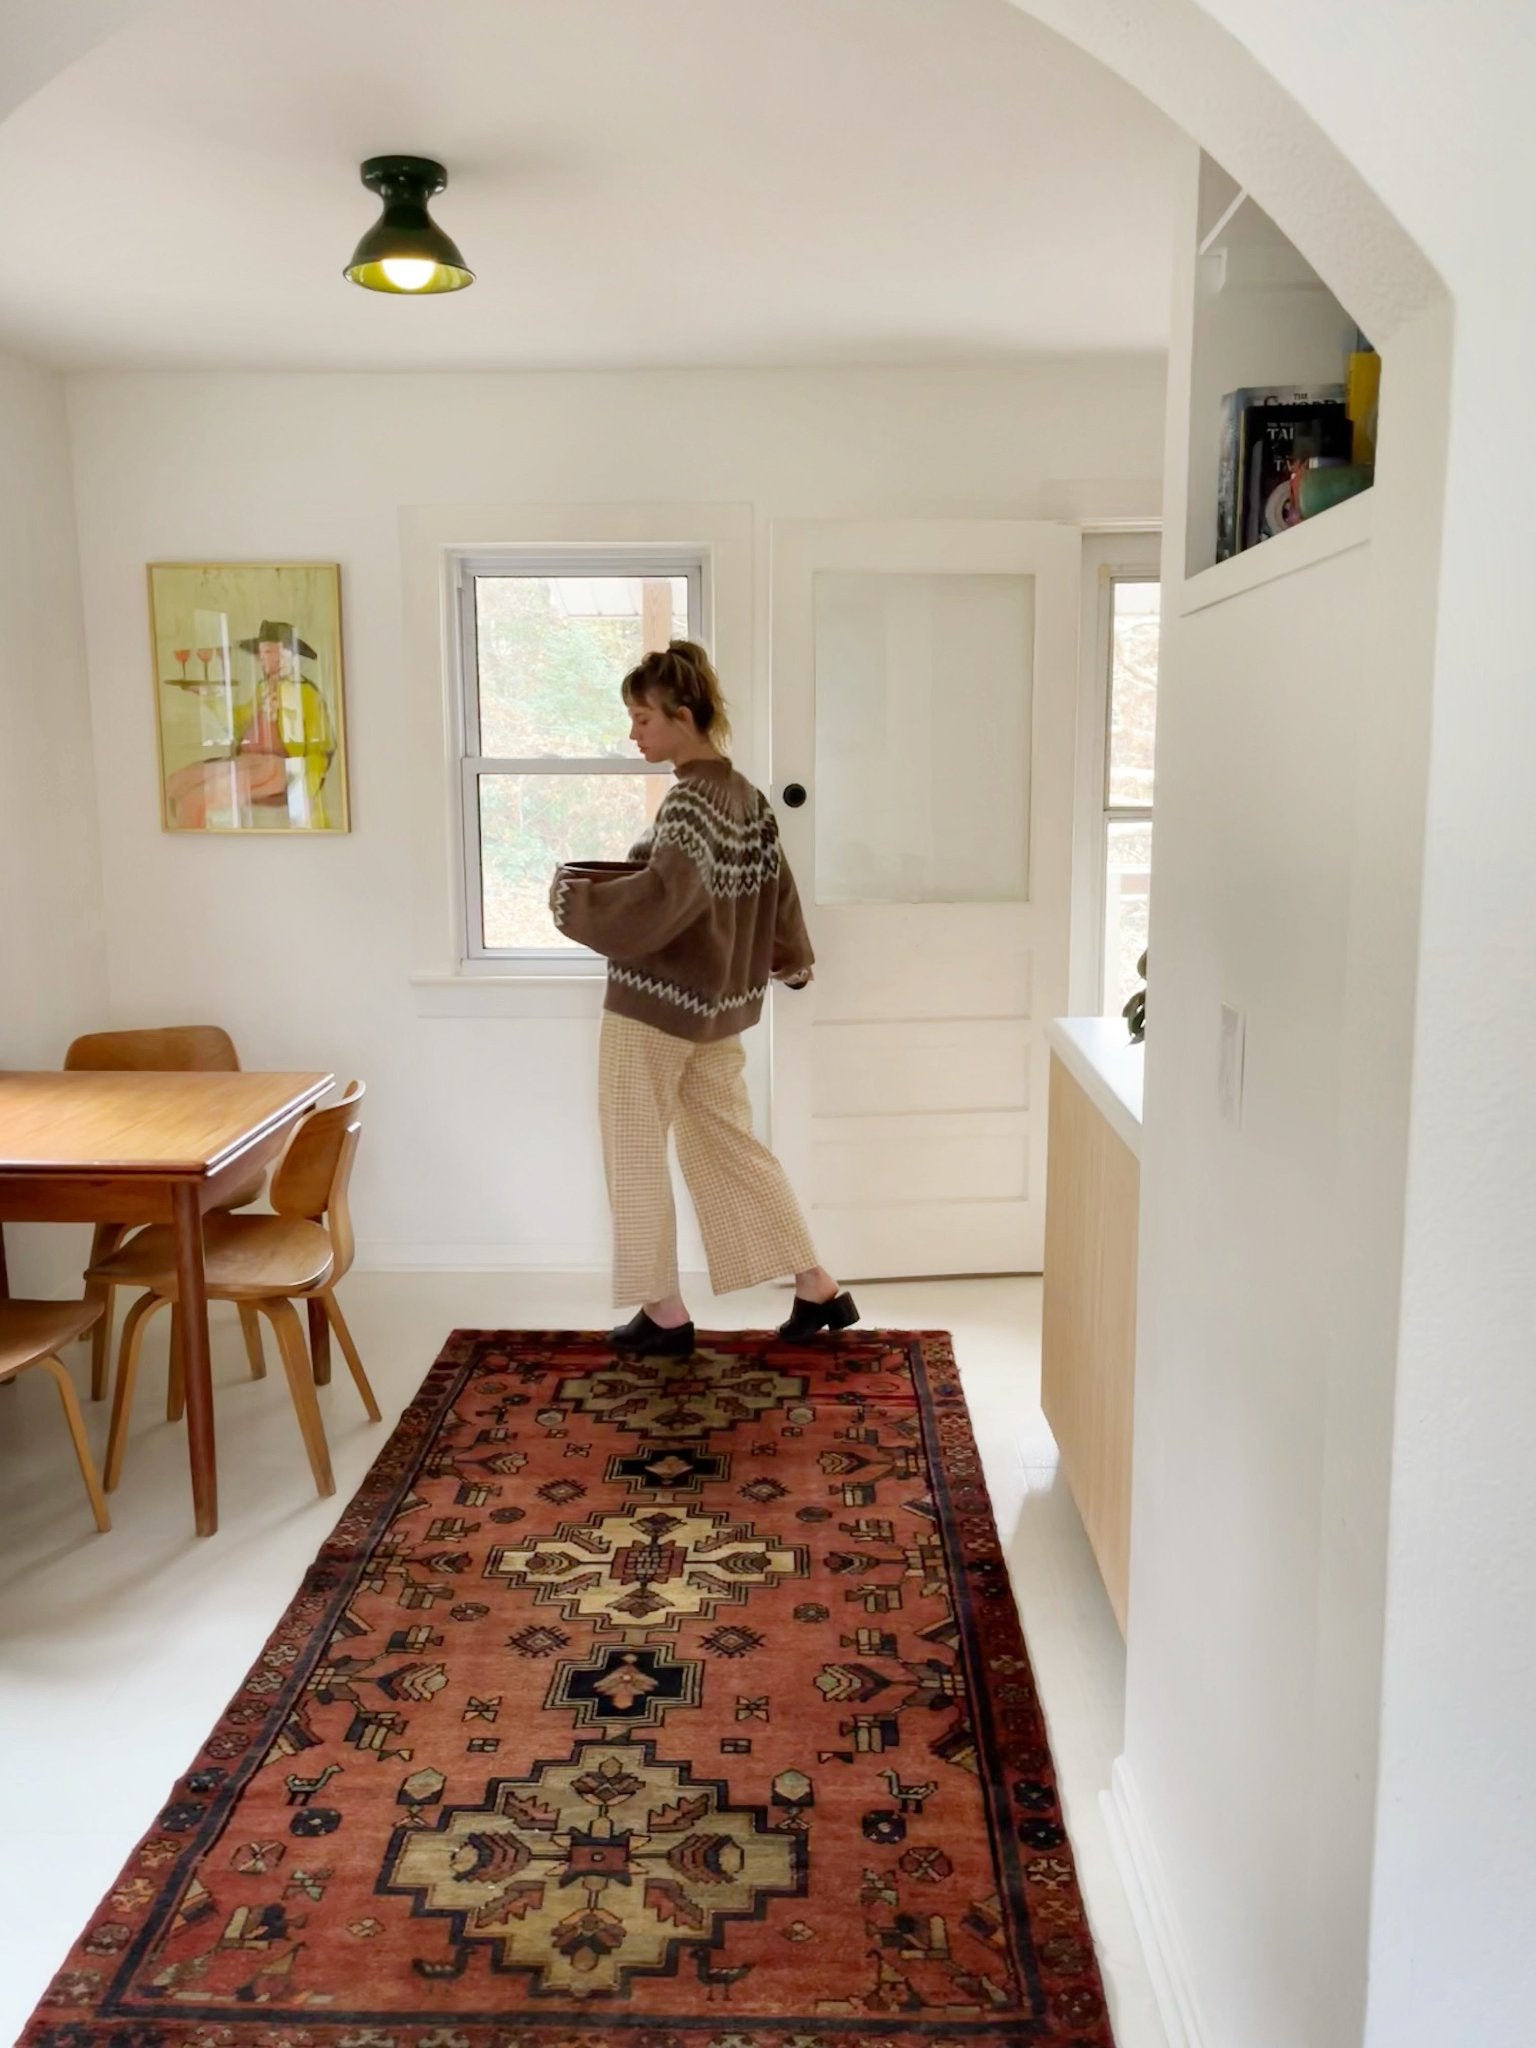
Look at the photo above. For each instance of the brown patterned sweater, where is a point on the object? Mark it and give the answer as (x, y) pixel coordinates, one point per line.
(693, 940)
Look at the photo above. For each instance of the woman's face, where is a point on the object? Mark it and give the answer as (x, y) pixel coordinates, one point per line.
(660, 737)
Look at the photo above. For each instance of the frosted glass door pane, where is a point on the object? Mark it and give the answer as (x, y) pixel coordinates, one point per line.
(923, 695)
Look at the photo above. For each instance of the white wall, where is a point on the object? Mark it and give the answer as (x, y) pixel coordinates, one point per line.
(481, 1144)
(1292, 743)
(1426, 1541)
(1459, 1681)
(52, 949)
(1237, 1356)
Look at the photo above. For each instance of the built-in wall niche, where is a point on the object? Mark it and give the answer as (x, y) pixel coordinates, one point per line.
(1277, 366)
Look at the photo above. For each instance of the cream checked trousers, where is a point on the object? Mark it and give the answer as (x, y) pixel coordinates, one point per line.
(650, 1083)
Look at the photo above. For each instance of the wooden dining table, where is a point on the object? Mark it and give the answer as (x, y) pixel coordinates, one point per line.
(148, 1148)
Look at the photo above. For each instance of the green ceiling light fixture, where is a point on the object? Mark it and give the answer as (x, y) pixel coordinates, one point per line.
(405, 250)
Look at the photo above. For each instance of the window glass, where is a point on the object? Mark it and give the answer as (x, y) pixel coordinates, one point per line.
(1127, 881)
(530, 823)
(551, 774)
(1136, 626)
(551, 652)
(1129, 765)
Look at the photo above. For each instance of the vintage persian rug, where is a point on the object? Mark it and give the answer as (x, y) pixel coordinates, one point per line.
(673, 1704)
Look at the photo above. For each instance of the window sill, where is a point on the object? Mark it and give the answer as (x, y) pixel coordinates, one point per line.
(531, 995)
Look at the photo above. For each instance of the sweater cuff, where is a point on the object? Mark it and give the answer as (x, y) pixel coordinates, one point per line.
(560, 898)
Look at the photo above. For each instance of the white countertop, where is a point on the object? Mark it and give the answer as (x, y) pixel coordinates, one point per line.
(1099, 1055)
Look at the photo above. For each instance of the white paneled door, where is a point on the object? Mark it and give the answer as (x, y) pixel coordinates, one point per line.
(924, 690)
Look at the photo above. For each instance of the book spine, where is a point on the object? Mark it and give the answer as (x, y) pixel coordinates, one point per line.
(1253, 477)
(1362, 387)
(1227, 484)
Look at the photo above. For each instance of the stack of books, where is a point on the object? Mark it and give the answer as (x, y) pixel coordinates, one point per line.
(1270, 436)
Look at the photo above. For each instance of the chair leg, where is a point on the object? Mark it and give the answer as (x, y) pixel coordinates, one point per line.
(319, 1342)
(76, 1423)
(122, 1392)
(250, 1326)
(176, 1384)
(332, 1308)
(301, 1385)
(101, 1342)
(105, 1239)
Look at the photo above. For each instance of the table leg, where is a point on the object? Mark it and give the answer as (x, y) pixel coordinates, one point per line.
(186, 1210)
(5, 1291)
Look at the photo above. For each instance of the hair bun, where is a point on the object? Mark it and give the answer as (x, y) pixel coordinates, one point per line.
(682, 677)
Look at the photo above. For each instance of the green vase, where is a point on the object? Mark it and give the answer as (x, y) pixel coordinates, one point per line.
(1321, 488)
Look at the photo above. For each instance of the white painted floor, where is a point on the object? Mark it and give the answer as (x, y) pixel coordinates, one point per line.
(118, 1652)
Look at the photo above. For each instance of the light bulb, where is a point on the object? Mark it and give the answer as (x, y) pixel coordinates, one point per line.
(408, 273)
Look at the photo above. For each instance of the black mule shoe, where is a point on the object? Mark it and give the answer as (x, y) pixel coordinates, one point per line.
(840, 1313)
(650, 1340)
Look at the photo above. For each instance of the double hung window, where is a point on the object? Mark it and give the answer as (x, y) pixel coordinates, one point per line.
(548, 773)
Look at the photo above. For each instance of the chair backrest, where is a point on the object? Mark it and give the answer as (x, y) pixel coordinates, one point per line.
(314, 1172)
(175, 1049)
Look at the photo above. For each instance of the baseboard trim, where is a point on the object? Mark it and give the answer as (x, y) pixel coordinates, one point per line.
(1146, 1890)
(474, 1258)
(384, 1256)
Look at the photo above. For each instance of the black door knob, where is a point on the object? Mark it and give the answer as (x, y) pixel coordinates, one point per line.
(794, 794)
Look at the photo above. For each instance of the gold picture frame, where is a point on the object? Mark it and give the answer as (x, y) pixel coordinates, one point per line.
(249, 703)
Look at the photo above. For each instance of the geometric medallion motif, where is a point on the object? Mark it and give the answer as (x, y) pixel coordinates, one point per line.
(668, 1471)
(597, 1868)
(622, 1688)
(646, 1568)
(680, 1397)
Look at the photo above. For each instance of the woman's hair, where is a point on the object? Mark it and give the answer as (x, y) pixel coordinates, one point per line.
(682, 679)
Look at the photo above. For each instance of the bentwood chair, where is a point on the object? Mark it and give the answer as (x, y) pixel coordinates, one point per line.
(171, 1049)
(32, 1333)
(264, 1263)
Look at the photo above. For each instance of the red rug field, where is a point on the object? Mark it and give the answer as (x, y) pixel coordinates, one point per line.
(671, 1704)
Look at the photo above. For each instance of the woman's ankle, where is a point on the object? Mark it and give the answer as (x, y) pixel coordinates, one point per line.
(816, 1284)
(670, 1314)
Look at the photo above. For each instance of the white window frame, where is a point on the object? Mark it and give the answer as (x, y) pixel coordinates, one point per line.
(1108, 559)
(643, 561)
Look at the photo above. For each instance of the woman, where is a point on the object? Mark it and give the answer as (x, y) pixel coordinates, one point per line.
(692, 938)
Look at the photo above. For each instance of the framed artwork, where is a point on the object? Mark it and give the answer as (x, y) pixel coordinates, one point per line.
(248, 696)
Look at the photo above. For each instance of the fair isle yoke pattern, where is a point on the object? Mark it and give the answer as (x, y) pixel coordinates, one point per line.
(694, 937)
(734, 857)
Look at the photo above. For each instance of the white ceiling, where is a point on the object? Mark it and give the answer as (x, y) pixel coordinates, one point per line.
(635, 182)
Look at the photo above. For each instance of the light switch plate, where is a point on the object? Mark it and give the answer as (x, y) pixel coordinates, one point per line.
(1229, 1066)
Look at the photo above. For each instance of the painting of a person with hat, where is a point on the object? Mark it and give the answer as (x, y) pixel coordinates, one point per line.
(282, 745)
(287, 724)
